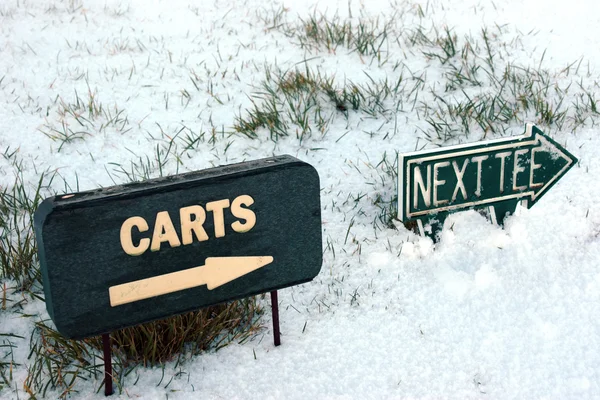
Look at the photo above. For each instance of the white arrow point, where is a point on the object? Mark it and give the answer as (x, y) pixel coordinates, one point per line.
(557, 154)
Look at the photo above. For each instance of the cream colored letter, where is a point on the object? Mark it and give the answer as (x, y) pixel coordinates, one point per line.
(502, 156)
(479, 160)
(459, 179)
(419, 184)
(127, 242)
(438, 182)
(217, 208)
(533, 167)
(188, 225)
(164, 231)
(517, 169)
(243, 213)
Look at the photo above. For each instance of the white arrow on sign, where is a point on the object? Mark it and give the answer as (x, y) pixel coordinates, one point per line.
(216, 272)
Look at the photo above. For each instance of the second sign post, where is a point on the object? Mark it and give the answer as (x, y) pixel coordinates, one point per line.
(496, 174)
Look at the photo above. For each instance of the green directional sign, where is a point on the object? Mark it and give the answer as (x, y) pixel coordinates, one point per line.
(497, 173)
(124, 255)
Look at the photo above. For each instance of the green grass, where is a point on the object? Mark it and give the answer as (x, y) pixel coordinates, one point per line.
(57, 363)
(7, 362)
(18, 251)
(484, 90)
(367, 38)
(512, 96)
(83, 117)
(386, 200)
(305, 101)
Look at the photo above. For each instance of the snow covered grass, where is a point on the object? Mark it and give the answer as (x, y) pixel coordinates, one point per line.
(18, 251)
(95, 93)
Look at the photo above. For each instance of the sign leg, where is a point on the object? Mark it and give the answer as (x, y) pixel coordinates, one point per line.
(108, 383)
(503, 209)
(275, 316)
(432, 226)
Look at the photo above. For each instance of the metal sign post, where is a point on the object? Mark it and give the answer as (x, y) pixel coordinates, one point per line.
(275, 316)
(108, 383)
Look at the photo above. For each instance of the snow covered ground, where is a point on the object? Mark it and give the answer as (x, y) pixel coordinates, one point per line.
(486, 312)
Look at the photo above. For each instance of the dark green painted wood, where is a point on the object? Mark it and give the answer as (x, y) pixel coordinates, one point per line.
(503, 209)
(81, 255)
(498, 174)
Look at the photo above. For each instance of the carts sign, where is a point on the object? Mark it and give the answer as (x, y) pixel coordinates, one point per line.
(481, 174)
(129, 254)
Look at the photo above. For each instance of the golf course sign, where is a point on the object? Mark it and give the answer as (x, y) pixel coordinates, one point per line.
(497, 174)
(124, 255)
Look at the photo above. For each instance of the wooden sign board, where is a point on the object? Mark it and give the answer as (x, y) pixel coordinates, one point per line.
(496, 174)
(124, 255)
